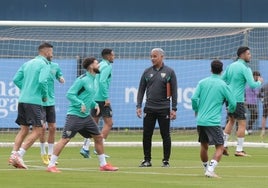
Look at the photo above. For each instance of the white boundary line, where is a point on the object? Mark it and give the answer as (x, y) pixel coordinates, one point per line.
(154, 144)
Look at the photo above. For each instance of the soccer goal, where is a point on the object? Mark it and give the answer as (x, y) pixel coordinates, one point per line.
(189, 49)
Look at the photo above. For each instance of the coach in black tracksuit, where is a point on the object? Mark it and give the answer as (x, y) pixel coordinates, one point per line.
(155, 81)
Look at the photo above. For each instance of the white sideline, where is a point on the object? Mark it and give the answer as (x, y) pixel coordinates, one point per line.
(154, 144)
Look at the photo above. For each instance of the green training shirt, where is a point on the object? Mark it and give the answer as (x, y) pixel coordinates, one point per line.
(31, 79)
(104, 80)
(236, 76)
(55, 74)
(208, 99)
(82, 92)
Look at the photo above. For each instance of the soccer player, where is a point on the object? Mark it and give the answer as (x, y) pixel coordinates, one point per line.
(155, 81)
(31, 79)
(236, 76)
(49, 113)
(264, 95)
(252, 103)
(81, 96)
(207, 102)
(102, 98)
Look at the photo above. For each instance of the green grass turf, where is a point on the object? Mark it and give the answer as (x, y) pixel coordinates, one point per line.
(185, 170)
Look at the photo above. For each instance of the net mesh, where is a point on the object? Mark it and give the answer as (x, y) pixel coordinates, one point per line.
(188, 51)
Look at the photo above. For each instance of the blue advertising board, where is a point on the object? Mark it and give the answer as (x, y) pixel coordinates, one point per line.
(123, 92)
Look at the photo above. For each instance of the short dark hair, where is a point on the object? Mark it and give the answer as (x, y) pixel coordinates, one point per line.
(216, 66)
(106, 51)
(88, 61)
(256, 73)
(241, 50)
(45, 45)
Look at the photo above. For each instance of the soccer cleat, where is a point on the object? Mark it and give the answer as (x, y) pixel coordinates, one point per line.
(145, 163)
(225, 151)
(53, 169)
(210, 174)
(10, 161)
(241, 154)
(45, 159)
(165, 163)
(108, 167)
(17, 161)
(84, 153)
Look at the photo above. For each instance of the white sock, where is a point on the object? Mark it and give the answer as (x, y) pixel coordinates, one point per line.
(21, 152)
(52, 161)
(205, 165)
(102, 160)
(86, 144)
(43, 148)
(50, 148)
(240, 143)
(212, 165)
(225, 138)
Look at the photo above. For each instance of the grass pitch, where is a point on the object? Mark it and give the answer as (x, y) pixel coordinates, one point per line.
(185, 171)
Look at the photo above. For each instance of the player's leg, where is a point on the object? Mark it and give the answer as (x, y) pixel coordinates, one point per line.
(203, 139)
(149, 121)
(241, 119)
(226, 133)
(51, 122)
(32, 113)
(264, 117)
(42, 138)
(91, 130)
(215, 137)
(164, 125)
(72, 125)
(84, 151)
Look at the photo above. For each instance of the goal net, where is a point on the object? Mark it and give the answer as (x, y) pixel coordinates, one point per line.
(189, 49)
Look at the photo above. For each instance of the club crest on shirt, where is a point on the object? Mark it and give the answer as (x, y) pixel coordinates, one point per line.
(163, 75)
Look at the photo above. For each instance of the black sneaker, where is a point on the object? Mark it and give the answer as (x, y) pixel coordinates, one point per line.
(165, 164)
(145, 163)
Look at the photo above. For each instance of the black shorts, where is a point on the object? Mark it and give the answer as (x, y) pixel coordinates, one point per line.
(265, 110)
(240, 111)
(84, 126)
(29, 114)
(49, 114)
(213, 135)
(105, 111)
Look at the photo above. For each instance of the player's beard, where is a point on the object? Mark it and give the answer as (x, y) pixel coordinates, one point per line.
(97, 71)
(49, 58)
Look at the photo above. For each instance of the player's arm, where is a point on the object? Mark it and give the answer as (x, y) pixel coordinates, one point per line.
(104, 83)
(43, 76)
(250, 79)
(74, 91)
(231, 99)
(59, 75)
(141, 91)
(174, 91)
(195, 98)
(18, 77)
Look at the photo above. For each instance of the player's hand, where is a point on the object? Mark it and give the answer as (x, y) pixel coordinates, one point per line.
(260, 79)
(173, 115)
(107, 102)
(61, 80)
(83, 108)
(139, 112)
(97, 108)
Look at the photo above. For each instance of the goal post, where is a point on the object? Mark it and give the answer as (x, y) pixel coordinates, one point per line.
(189, 49)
